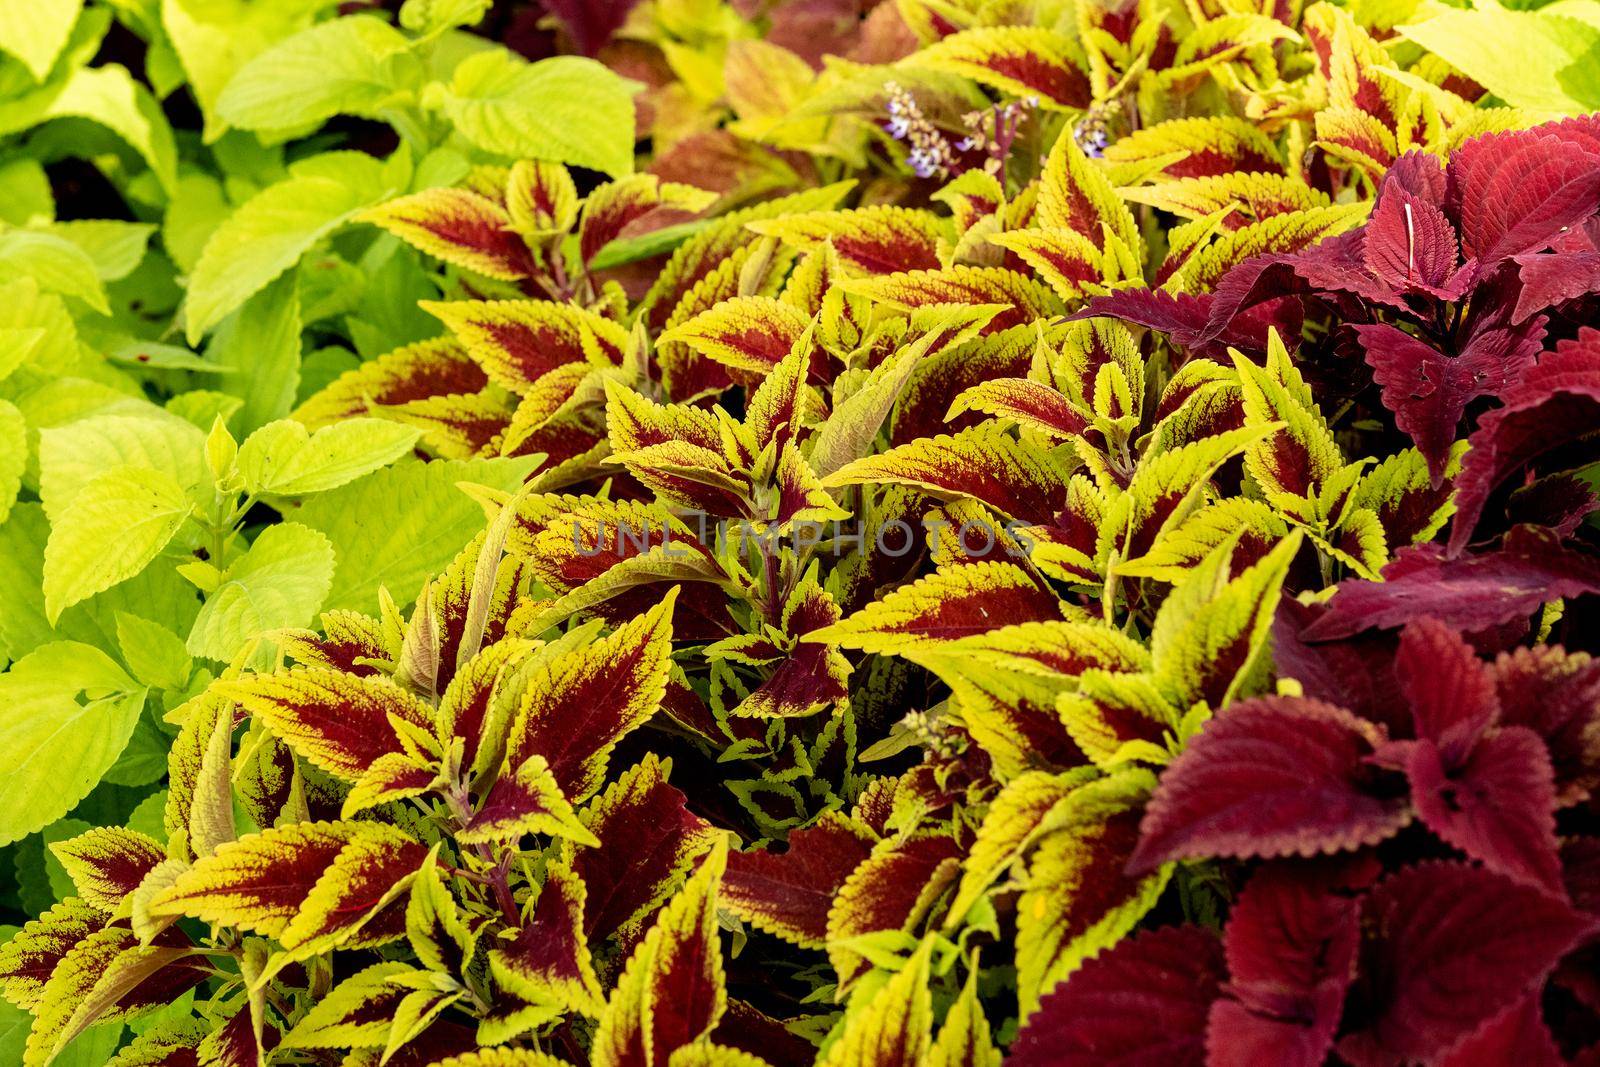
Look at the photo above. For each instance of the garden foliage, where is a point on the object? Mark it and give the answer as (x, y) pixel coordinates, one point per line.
(689, 533)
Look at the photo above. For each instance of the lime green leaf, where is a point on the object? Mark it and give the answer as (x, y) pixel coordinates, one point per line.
(279, 583)
(113, 528)
(1529, 59)
(398, 525)
(13, 455)
(107, 95)
(69, 712)
(215, 39)
(153, 653)
(265, 237)
(349, 66)
(566, 110)
(428, 17)
(35, 31)
(284, 459)
(73, 455)
(58, 265)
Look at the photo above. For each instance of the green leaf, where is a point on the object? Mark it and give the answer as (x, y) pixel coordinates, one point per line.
(73, 455)
(429, 17)
(215, 39)
(346, 66)
(107, 95)
(260, 346)
(153, 653)
(69, 711)
(284, 459)
(264, 238)
(35, 31)
(1530, 59)
(25, 195)
(58, 265)
(565, 110)
(114, 527)
(115, 248)
(280, 582)
(13, 455)
(626, 250)
(399, 525)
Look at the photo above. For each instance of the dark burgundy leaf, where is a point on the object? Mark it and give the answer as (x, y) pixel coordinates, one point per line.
(1274, 776)
(1291, 945)
(1472, 593)
(1142, 1004)
(1451, 693)
(1554, 403)
(1497, 806)
(1449, 947)
(1518, 1036)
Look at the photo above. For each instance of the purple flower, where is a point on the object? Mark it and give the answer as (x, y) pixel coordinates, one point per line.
(898, 127)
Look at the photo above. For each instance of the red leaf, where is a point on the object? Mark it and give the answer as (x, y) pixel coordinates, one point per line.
(1555, 694)
(1497, 806)
(1517, 1036)
(1515, 192)
(1274, 776)
(1409, 243)
(1451, 946)
(1142, 1004)
(1291, 945)
(1451, 693)
(1471, 593)
(1553, 404)
(789, 893)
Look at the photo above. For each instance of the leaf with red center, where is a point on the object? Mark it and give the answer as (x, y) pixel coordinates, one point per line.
(517, 342)
(1022, 61)
(339, 722)
(1023, 298)
(1029, 403)
(1401, 493)
(459, 426)
(541, 198)
(1531, 568)
(1517, 1036)
(459, 226)
(356, 1013)
(1274, 776)
(577, 705)
(1448, 947)
(748, 333)
(1080, 897)
(954, 602)
(1556, 694)
(1258, 195)
(31, 954)
(437, 367)
(635, 204)
(1428, 391)
(1143, 1003)
(107, 977)
(1291, 944)
(347, 638)
(809, 677)
(985, 464)
(1409, 244)
(895, 1027)
(671, 992)
(893, 888)
(548, 961)
(1550, 406)
(527, 801)
(1114, 717)
(874, 240)
(1210, 145)
(1496, 804)
(1450, 692)
(108, 863)
(636, 422)
(465, 710)
(788, 893)
(233, 1042)
(261, 881)
(1067, 260)
(648, 842)
(569, 543)
(437, 638)
(1516, 191)
(359, 900)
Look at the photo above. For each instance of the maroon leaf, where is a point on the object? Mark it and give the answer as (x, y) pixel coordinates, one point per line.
(1515, 192)
(1291, 946)
(1142, 1004)
(1409, 242)
(1274, 776)
(1451, 693)
(789, 893)
(1554, 403)
(1518, 1036)
(1450, 947)
(1556, 694)
(1497, 806)
(1473, 593)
